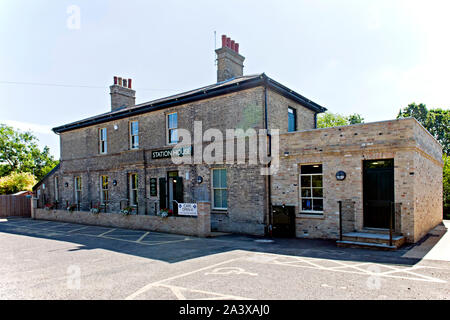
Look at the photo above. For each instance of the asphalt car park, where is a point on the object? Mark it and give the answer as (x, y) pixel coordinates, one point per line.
(55, 260)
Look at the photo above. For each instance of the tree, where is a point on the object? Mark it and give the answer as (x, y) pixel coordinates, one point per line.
(329, 119)
(16, 182)
(436, 121)
(19, 153)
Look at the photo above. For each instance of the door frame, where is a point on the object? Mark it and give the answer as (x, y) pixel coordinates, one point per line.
(364, 206)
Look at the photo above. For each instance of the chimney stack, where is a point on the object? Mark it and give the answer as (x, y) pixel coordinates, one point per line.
(122, 95)
(230, 64)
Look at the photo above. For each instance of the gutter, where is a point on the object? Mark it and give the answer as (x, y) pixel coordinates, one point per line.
(269, 220)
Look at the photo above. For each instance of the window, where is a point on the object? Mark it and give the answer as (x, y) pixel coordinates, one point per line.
(134, 135)
(77, 190)
(311, 184)
(56, 189)
(172, 128)
(292, 119)
(104, 194)
(102, 141)
(133, 180)
(219, 186)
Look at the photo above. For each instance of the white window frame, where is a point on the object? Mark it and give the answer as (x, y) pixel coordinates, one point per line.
(136, 189)
(169, 129)
(80, 190)
(134, 146)
(212, 189)
(102, 197)
(311, 189)
(102, 143)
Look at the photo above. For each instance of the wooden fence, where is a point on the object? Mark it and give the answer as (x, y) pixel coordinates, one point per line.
(15, 206)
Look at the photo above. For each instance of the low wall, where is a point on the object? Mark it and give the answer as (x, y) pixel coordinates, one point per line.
(193, 226)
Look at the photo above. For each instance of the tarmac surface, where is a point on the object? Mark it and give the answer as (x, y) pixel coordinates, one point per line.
(55, 260)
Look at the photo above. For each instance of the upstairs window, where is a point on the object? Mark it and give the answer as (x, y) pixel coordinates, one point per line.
(104, 194)
(133, 189)
(78, 190)
(102, 141)
(134, 135)
(311, 186)
(172, 128)
(292, 119)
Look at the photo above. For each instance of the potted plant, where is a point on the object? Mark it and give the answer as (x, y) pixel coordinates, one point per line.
(48, 206)
(165, 212)
(127, 210)
(72, 207)
(95, 209)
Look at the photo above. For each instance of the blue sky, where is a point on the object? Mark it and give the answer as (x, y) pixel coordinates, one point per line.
(367, 57)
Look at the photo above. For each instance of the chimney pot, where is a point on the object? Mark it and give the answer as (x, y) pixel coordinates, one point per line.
(125, 83)
(232, 45)
(115, 80)
(228, 42)
(120, 81)
(129, 83)
(224, 41)
(236, 47)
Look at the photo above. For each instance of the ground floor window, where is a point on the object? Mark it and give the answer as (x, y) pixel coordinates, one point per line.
(104, 194)
(133, 181)
(219, 189)
(311, 188)
(77, 190)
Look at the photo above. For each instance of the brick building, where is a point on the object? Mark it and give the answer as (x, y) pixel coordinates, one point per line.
(122, 158)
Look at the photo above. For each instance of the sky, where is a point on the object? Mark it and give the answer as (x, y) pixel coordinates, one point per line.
(58, 58)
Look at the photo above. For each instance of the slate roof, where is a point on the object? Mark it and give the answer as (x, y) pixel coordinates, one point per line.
(216, 89)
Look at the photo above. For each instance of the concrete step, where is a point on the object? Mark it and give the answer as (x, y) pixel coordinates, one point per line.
(365, 245)
(373, 238)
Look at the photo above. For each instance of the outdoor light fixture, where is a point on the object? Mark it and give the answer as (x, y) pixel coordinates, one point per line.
(199, 179)
(116, 127)
(114, 183)
(66, 184)
(286, 153)
(340, 175)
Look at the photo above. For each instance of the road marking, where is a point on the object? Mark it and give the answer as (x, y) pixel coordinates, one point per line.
(142, 237)
(153, 284)
(217, 296)
(111, 230)
(56, 226)
(230, 270)
(82, 228)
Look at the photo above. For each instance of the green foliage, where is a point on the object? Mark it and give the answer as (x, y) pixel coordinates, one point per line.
(16, 182)
(436, 121)
(329, 119)
(446, 181)
(19, 153)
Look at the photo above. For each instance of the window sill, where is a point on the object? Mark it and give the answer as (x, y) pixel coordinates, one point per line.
(219, 211)
(303, 215)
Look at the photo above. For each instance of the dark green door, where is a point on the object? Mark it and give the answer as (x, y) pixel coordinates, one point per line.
(378, 192)
(174, 190)
(283, 221)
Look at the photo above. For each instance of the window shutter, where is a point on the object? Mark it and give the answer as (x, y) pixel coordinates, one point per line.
(162, 193)
(179, 190)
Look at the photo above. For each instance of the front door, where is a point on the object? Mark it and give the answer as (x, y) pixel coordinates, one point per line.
(378, 192)
(174, 190)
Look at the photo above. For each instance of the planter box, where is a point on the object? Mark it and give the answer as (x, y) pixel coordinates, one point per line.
(193, 226)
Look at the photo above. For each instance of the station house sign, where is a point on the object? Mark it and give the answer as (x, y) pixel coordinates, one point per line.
(167, 153)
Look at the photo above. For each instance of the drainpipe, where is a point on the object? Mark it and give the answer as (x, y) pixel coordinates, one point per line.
(268, 178)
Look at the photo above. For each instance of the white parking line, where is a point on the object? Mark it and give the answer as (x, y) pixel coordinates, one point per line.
(153, 284)
(142, 237)
(101, 235)
(82, 228)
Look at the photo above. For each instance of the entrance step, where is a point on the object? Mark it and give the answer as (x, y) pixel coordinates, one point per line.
(369, 239)
(365, 245)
